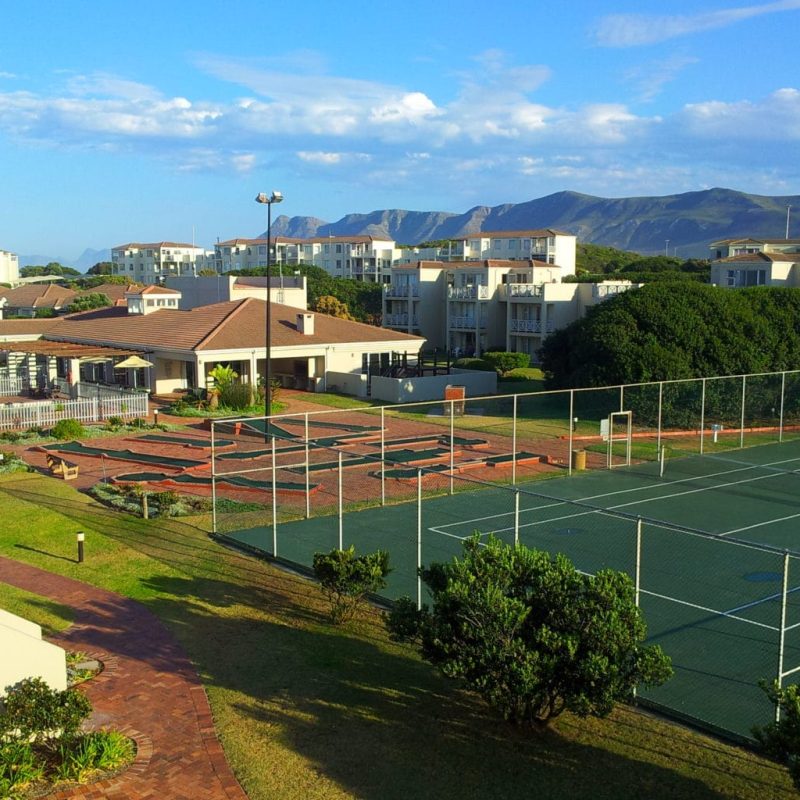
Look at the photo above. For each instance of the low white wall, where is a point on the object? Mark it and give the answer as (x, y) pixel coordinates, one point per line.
(431, 387)
(25, 655)
(347, 382)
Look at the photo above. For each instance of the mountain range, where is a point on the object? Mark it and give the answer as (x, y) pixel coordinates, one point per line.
(679, 224)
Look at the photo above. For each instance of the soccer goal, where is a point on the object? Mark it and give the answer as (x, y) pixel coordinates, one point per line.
(620, 427)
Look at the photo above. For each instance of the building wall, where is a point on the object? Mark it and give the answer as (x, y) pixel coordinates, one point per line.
(26, 655)
(431, 387)
(9, 267)
(205, 290)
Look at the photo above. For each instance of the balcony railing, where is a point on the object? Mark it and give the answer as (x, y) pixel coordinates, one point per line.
(399, 321)
(468, 293)
(468, 323)
(530, 326)
(402, 291)
(611, 290)
(524, 290)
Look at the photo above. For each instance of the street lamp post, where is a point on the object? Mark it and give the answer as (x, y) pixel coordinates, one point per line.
(268, 200)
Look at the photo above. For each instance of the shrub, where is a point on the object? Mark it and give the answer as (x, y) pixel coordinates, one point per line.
(532, 635)
(10, 436)
(473, 363)
(236, 396)
(504, 361)
(114, 423)
(18, 767)
(137, 422)
(11, 462)
(100, 750)
(346, 578)
(34, 712)
(781, 740)
(68, 429)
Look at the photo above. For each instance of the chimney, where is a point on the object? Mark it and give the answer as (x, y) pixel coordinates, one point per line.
(305, 324)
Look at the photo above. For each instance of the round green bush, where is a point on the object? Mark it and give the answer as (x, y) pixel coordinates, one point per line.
(68, 429)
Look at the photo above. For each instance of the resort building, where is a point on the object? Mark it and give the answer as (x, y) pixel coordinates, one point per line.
(755, 262)
(150, 263)
(9, 267)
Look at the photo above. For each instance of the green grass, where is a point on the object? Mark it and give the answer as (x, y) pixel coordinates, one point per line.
(340, 400)
(308, 711)
(52, 616)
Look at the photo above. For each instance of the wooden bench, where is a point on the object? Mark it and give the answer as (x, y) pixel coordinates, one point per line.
(59, 466)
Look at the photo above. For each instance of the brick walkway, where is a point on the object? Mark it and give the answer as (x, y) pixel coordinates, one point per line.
(149, 690)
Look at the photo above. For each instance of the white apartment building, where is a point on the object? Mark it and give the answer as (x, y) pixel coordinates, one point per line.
(755, 262)
(149, 263)
(546, 245)
(365, 258)
(9, 267)
(467, 307)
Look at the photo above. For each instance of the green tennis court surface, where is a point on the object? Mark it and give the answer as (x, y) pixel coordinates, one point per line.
(711, 567)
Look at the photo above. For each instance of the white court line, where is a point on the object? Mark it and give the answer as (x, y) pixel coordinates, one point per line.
(710, 610)
(758, 525)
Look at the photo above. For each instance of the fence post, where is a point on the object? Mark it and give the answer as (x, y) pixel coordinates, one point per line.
(702, 414)
(514, 444)
(274, 501)
(419, 539)
(452, 443)
(783, 394)
(213, 481)
(341, 504)
(660, 399)
(622, 398)
(516, 517)
(638, 573)
(383, 456)
(571, 432)
(782, 640)
(308, 486)
(744, 395)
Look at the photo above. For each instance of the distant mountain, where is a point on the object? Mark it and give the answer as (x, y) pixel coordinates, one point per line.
(649, 225)
(40, 261)
(88, 258)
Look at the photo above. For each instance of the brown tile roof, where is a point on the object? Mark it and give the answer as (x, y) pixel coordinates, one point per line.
(768, 257)
(221, 326)
(152, 289)
(533, 233)
(26, 327)
(749, 240)
(115, 292)
(36, 295)
(152, 245)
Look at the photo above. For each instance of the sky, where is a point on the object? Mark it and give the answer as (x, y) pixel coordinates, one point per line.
(150, 121)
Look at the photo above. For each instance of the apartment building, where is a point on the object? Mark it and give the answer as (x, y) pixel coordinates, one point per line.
(365, 258)
(469, 306)
(755, 262)
(150, 263)
(9, 267)
(547, 245)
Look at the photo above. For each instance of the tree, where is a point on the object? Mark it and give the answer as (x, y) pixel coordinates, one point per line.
(52, 268)
(328, 304)
(531, 634)
(101, 268)
(669, 331)
(503, 362)
(346, 579)
(89, 301)
(781, 740)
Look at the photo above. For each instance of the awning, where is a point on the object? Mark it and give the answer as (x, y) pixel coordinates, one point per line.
(45, 347)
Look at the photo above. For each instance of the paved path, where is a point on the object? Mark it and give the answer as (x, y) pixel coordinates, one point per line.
(149, 690)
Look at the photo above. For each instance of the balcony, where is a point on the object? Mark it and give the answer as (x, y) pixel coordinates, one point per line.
(524, 291)
(530, 326)
(468, 293)
(399, 321)
(601, 291)
(402, 290)
(466, 323)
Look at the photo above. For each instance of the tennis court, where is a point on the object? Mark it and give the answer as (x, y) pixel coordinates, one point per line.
(710, 533)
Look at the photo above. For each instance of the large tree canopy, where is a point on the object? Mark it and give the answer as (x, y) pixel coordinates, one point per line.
(677, 330)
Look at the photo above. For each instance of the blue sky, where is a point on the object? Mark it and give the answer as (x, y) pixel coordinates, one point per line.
(139, 121)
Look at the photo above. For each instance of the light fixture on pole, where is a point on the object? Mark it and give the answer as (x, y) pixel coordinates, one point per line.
(268, 200)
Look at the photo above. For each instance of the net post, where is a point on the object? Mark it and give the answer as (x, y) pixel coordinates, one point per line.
(213, 481)
(741, 425)
(308, 486)
(514, 443)
(341, 504)
(702, 414)
(660, 401)
(383, 456)
(274, 504)
(783, 395)
(622, 398)
(452, 444)
(662, 455)
(782, 640)
(516, 517)
(571, 432)
(419, 539)
(638, 572)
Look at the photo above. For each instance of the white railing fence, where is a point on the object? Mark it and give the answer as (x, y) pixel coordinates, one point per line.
(48, 412)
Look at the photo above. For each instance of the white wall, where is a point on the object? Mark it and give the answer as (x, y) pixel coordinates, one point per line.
(347, 383)
(431, 387)
(25, 655)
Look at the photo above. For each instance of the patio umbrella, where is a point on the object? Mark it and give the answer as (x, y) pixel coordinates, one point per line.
(133, 362)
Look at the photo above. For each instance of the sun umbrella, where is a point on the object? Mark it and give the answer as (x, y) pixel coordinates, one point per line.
(133, 362)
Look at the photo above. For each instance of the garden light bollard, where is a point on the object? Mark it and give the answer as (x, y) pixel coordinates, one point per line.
(155, 417)
(80, 546)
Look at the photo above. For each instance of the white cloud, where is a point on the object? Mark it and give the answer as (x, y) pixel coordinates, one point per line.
(8, 75)
(631, 30)
(650, 79)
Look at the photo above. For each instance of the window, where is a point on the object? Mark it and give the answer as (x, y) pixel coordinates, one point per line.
(513, 244)
(338, 248)
(496, 244)
(262, 250)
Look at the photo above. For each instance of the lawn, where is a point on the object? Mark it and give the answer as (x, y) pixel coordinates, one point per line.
(308, 711)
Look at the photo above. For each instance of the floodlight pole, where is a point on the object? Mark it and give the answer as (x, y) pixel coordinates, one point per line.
(268, 200)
